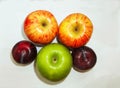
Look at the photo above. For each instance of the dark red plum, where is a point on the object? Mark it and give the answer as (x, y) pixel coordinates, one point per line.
(24, 52)
(84, 58)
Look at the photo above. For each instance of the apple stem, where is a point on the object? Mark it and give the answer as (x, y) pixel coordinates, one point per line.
(44, 24)
(54, 60)
(76, 29)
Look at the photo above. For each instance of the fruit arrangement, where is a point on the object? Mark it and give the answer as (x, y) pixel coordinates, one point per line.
(55, 60)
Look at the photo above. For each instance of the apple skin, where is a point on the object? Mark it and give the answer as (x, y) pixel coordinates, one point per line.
(75, 30)
(41, 27)
(54, 62)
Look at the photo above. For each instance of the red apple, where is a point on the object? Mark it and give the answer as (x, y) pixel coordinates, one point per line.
(75, 30)
(41, 27)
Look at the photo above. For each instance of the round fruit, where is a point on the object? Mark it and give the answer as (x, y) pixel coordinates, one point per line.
(24, 52)
(41, 27)
(84, 58)
(54, 62)
(75, 30)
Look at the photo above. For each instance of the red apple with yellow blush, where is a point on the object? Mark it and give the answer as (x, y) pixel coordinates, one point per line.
(75, 30)
(41, 27)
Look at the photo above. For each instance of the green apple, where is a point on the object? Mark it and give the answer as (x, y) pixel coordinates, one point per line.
(54, 62)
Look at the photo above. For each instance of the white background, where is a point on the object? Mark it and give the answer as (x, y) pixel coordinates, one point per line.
(105, 41)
